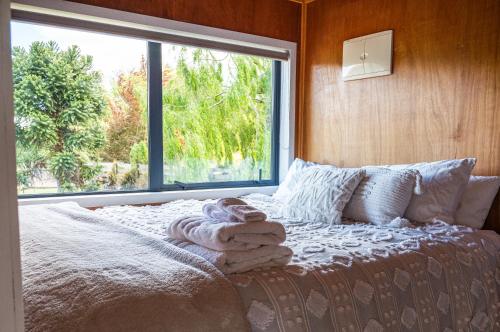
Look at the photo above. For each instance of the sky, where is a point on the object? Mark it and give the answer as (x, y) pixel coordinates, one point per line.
(111, 54)
(104, 48)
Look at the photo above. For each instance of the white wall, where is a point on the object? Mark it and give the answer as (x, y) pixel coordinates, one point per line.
(11, 311)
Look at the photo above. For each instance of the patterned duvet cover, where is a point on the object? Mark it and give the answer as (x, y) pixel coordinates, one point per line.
(359, 277)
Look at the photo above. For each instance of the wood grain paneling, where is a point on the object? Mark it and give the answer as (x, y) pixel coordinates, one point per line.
(442, 101)
(278, 19)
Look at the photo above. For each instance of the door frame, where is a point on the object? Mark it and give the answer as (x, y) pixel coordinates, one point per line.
(11, 304)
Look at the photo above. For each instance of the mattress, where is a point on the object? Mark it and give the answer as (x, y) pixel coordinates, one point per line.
(359, 277)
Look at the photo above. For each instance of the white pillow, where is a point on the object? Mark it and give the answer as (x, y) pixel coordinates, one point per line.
(476, 201)
(444, 183)
(383, 195)
(291, 178)
(321, 194)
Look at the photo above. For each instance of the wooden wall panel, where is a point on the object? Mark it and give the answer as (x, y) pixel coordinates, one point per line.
(278, 19)
(443, 100)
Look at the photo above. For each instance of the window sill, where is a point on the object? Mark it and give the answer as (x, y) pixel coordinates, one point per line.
(148, 197)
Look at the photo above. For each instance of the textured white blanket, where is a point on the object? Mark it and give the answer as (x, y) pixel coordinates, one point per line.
(82, 273)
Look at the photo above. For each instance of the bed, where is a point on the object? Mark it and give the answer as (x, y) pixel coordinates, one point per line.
(349, 277)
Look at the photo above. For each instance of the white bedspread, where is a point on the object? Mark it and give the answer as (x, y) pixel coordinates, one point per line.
(359, 277)
(82, 273)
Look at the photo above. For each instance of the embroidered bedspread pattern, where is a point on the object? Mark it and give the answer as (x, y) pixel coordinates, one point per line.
(427, 286)
(358, 277)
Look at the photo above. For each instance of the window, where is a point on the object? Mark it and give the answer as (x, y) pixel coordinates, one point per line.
(97, 113)
(217, 116)
(80, 115)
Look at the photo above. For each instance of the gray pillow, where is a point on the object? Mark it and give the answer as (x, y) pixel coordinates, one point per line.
(383, 195)
(321, 194)
(444, 182)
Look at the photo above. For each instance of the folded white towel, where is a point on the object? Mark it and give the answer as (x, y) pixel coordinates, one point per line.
(214, 212)
(231, 261)
(218, 235)
(241, 209)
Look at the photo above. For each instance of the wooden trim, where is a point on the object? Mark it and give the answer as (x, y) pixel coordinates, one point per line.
(304, 2)
(301, 107)
(299, 142)
(11, 305)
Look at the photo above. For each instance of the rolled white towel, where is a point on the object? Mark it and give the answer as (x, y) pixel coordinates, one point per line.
(213, 211)
(218, 235)
(231, 261)
(241, 209)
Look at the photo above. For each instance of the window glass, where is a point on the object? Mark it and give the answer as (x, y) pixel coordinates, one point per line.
(81, 114)
(80, 110)
(217, 116)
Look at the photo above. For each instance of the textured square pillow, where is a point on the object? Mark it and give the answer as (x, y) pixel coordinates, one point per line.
(444, 183)
(476, 201)
(383, 195)
(322, 193)
(291, 178)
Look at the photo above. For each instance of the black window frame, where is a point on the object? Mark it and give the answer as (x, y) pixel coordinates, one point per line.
(155, 137)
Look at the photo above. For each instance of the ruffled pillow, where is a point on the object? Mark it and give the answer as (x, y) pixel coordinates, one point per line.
(290, 181)
(321, 194)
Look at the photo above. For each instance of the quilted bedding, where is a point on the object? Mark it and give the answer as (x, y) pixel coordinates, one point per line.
(358, 277)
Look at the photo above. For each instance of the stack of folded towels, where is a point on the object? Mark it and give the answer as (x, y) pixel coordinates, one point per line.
(233, 236)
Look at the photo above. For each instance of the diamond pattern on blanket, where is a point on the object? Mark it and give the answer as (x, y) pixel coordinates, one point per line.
(313, 249)
(363, 291)
(382, 236)
(464, 258)
(260, 315)
(401, 279)
(381, 252)
(434, 267)
(443, 303)
(296, 270)
(408, 317)
(476, 288)
(480, 321)
(240, 280)
(373, 326)
(316, 303)
(410, 244)
(342, 260)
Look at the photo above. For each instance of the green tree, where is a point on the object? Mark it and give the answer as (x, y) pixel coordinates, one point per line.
(59, 104)
(216, 109)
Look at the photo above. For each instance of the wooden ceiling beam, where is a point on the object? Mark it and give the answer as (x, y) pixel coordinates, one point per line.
(304, 2)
